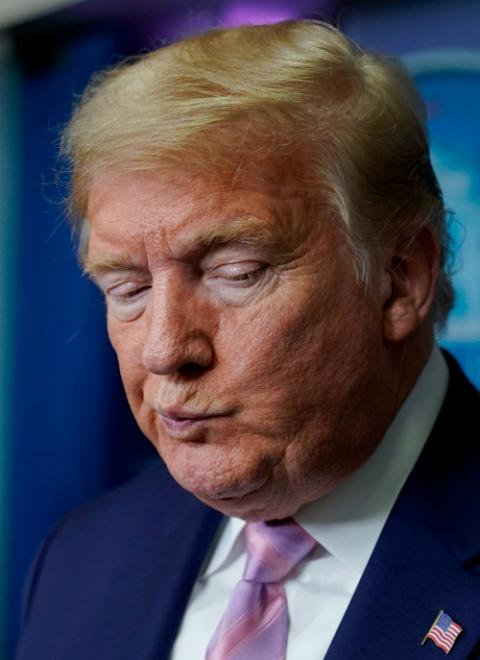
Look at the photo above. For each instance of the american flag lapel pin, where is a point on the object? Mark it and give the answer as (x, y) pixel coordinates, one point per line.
(443, 632)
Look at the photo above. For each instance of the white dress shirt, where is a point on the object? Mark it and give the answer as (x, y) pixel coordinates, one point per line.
(346, 523)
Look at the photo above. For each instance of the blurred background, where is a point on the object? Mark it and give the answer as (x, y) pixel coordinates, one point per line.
(65, 431)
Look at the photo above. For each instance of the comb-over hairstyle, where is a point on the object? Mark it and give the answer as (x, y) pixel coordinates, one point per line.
(298, 90)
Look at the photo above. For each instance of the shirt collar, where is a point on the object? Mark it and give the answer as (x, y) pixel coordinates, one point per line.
(229, 546)
(348, 521)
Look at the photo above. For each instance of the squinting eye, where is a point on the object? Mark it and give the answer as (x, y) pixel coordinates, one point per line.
(128, 295)
(127, 301)
(242, 274)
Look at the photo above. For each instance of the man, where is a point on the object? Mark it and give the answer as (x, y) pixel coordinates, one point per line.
(259, 209)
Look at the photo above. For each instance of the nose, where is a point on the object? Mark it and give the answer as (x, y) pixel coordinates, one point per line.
(177, 337)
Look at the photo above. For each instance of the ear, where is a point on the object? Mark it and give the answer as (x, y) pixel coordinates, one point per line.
(413, 273)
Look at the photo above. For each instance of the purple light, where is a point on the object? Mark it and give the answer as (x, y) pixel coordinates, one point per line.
(253, 13)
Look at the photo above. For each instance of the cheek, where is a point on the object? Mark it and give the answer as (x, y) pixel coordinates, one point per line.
(302, 365)
(275, 346)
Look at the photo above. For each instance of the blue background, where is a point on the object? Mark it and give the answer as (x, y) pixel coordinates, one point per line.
(453, 102)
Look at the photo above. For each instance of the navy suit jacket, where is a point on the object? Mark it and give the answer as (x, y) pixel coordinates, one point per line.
(111, 582)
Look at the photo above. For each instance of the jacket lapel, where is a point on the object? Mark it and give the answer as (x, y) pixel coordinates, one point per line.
(428, 555)
(184, 547)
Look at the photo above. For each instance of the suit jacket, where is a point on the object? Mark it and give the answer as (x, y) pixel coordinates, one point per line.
(111, 582)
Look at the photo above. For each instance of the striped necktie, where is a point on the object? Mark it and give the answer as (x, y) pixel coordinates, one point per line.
(255, 624)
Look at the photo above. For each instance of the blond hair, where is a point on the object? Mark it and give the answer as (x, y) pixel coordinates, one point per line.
(294, 87)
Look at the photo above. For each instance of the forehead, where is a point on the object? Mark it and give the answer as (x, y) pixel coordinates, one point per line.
(178, 206)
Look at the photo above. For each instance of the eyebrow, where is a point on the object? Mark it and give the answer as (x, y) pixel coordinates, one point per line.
(105, 264)
(247, 230)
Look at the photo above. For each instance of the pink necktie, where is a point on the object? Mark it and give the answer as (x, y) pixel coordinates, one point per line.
(255, 624)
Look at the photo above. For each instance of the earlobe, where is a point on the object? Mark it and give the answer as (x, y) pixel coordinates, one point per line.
(413, 273)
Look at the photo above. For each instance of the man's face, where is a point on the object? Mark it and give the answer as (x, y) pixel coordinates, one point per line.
(251, 357)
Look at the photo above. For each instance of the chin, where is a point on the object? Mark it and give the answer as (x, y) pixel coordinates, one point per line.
(217, 475)
(255, 506)
(219, 494)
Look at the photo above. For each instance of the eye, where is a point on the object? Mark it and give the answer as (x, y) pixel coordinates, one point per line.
(127, 301)
(239, 275)
(126, 296)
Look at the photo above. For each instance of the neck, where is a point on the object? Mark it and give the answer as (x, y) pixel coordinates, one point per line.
(408, 361)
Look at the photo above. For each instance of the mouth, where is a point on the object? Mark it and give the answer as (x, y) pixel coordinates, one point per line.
(182, 424)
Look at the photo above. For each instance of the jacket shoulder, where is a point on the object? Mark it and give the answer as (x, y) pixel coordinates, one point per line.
(114, 563)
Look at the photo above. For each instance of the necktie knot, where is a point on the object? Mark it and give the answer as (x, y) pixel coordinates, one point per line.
(274, 549)
(255, 624)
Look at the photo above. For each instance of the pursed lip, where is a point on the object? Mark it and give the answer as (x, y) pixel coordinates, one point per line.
(180, 422)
